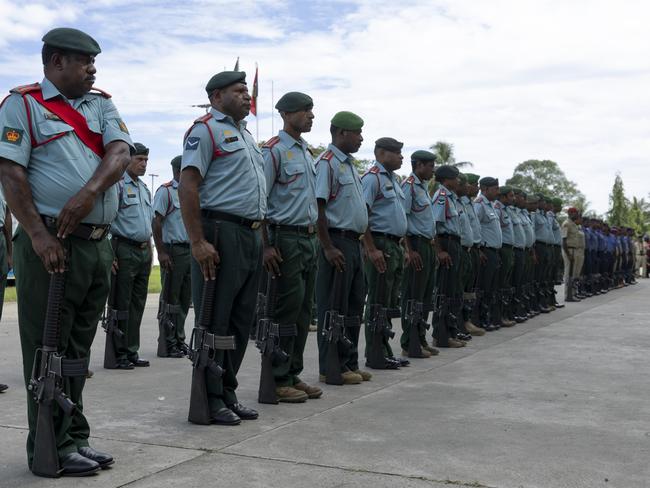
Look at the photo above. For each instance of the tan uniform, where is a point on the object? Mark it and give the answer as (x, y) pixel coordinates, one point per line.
(575, 243)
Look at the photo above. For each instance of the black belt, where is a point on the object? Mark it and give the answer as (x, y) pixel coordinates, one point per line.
(131, 242)
(178, 244)
(419, 238)
(449, 236)
(507, 246)
(467, 248)
(89, 232)
(299, 229)
(345, 233)
(235, 219)
(392, 237)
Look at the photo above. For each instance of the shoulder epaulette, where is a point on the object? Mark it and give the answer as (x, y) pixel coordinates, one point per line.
(374, 170)
(442, 193)
(23, 89)
(203, 119)
(168, 184)
(410, 180)
(101, 92)
(271, 142)
(328, 155)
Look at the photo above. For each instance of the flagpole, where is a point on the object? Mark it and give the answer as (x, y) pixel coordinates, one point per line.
(257, 116)
(272, 118)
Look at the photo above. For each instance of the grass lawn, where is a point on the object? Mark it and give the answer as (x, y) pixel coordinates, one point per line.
(154, 285)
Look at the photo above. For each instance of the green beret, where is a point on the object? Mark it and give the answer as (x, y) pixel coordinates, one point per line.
(224, 79)
(294, 102)
(389, 144)
(422, 155)
(517, 191)
(462, 177)
(504, 190)
(532, 199)
(72, 40)
(472, 178)
(347, 121)
(524, 194)
(541, 197)
(557, 201)
(447, 172)
(140, 149)
(488, 181)
(176, 162)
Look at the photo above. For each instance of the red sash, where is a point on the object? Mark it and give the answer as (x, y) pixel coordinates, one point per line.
(76, 120)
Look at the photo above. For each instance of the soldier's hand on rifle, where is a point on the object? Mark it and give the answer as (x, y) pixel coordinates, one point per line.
(272, 260)
(445, 259)
(335, 257)
(414, 259)
(74, 211)
(50, 250)
(165, 260)
(207, 257)
(376, 256)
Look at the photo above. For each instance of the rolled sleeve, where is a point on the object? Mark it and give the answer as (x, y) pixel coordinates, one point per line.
(197, 149)
(323, 188)
(15, 139)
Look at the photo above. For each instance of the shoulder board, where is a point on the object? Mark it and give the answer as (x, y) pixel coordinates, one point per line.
(204, 119)
(442, 193)
(22, 90)
(168, 184)
(271, 142)
(374, 170)
(98, 91)
(410, 180)
(328, 155)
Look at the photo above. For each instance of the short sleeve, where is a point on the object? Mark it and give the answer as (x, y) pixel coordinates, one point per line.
(438, 206)
(15, 139)
(323, 182)
(271, 162)
(408, 197)
(197, 149)
(114, 128)
(370, 185)
(161, 201)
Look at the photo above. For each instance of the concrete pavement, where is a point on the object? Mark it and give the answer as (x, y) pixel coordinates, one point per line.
(560, 401)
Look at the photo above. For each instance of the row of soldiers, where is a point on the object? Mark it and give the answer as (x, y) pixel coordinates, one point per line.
(369, 248)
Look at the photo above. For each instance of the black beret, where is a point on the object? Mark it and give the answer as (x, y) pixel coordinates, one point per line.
(472, 178)
(294, 102)
(524, 194)
(224, 79)
(140, 149)
(72, 40)
(347, 121)
(447, 172)
(504, 190)
(389, 144)
(176, 162)
(488, 181)
(422, 155)
(462, 177)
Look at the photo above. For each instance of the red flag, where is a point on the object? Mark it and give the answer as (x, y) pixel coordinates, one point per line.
(254, 95)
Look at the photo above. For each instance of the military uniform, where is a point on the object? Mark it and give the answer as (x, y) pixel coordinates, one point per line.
(292, 214)
(573, 254)
(491, 241)
(5, 247)
(506, 257)
(472, 293)
(131, 241)
(58, 165)
(519, 264)
(232, 198)
(175, 240)
(543, 250)
(387, 223)
(466, 264)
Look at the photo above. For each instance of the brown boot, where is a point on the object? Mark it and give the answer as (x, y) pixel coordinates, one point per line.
(288, 394)
(472, 329)
(507, 323)
(431, 349)
(311, 391)
(365, 375)
(454, 343)
(425, 354)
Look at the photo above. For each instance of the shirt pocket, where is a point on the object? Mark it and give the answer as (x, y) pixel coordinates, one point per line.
(294, 175)
(232, 146)
(129, 198)
(388, 192)
(95, 126)
(52, 129)
(346, 185)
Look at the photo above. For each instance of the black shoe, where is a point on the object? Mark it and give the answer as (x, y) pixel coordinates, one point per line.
(558, 305)
(388, 364)
(401, 361)
(520, 320)
(104, 460)
(124, 364)
(184, 348)
(545, 310)
(74, 464)
(3, 388)
(489, 327)
(174, 352)
(139, 362)
(463, 337)
(225, 416)
(243, 412)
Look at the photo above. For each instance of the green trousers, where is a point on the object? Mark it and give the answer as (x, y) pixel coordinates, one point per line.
(4, 270)
(449, 291)
(394, 257)
(353, 293)
(518, 270)
(134, 268)
(466, 282)
(86, 289)
(180, 292)
(240, 250)
(295, 298)
(507, 257)
(418, 285)
(488, 284)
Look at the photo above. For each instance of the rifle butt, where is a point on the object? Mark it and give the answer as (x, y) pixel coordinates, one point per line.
(266, 393)
(110, 353)
(333, 373)
(376, 353)
(162, 352)
(199, 407)
(415, 348)
(46, 456)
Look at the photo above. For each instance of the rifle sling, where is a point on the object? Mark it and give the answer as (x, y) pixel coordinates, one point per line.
(119, 314)
(287, 330)
(74, 367)
(171, 309)
(352, 322)
(222, 343)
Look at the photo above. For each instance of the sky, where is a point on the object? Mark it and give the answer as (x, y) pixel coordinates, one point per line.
(504, 81)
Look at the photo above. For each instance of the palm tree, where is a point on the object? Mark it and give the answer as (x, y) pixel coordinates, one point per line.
(444, 152)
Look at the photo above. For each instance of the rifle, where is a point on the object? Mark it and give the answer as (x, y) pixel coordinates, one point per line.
(268, 342)
(110, 324)
(203, 348)
(334, 333)
(442, 309)
(416, 313)
(380, 327)
(259, 304)
(166, 312)
(46, 383)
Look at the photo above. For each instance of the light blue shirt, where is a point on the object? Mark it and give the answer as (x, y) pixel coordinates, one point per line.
(466, 234)
(489, 220)
(134, 216)
(542, 227)
(339, 184)
(556, 232)
(517, 226)
(58, 169)
(417, 204)
(445, 212)
(473, 219)
(290, 181)
(507, 233)
(167, 205)
(385, 200)
(230, 163)
(527, 224)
